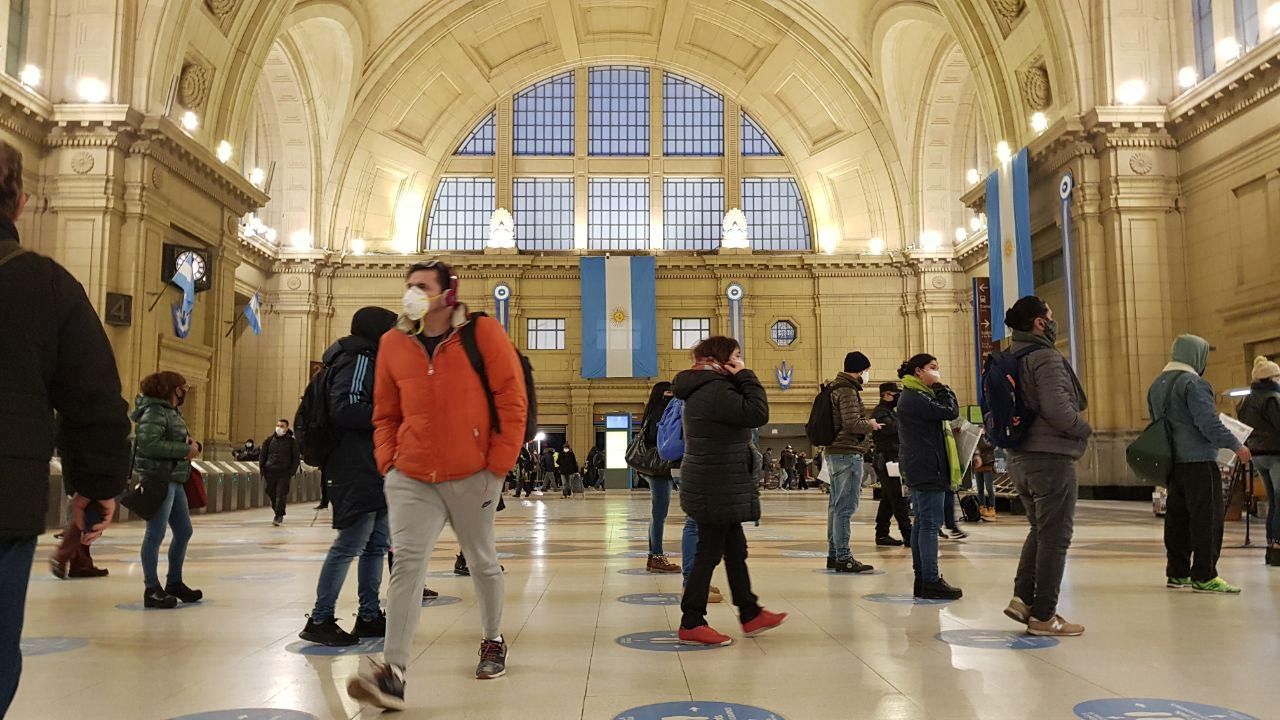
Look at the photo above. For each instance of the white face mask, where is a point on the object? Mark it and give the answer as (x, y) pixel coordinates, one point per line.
(937, 375)
(866, 376)
(416, 303)
(279, 432)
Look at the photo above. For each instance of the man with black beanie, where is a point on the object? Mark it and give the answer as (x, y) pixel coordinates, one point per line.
(892, 504)
(845, 457)
(355, 485)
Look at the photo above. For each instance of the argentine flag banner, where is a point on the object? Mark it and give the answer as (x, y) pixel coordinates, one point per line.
(1009, 239)
(619, 317)
(251, 312)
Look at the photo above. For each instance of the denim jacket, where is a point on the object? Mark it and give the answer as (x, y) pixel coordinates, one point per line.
(1192, 414)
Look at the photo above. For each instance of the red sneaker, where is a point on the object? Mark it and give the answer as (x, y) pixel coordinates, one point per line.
(764, 621)
(703, 635)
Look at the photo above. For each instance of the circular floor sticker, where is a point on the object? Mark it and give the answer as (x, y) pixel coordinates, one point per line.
(31, 647)
(440, 601)
(995, 640)
(829, 571)
(640, 571)
(651, 599)
(697, 710)
(259, 577)
(367, 646)
(803, 554)
(660, 641)
(249, 714)
(180, 606)
(903, 599)
(640, 554)
(1153, 709)
(444, 574)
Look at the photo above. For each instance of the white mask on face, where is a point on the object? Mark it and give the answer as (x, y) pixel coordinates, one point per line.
(416, 303)
(937, 375)
(866, 376)
(279, 432)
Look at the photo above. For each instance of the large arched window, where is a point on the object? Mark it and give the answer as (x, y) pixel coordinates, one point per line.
(656, 172)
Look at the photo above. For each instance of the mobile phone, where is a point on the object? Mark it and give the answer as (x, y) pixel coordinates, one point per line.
(92, 515)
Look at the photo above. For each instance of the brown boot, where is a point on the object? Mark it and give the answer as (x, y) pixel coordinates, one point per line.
(714, 596)
(660, 564)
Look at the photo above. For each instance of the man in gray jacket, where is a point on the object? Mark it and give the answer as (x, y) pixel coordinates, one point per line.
(1193, 520)
(1044, 467)
(845, 455)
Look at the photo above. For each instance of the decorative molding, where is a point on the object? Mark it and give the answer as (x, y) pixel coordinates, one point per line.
(1231, 92)
(1140, 163)
(1007, 13)
(82, 162)
(193, 85)
(1033, 80)
(221, 8)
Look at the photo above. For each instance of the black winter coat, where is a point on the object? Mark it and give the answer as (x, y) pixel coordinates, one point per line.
(56, 359)
(923, 447)
(280, 457)
(718, 473)
(1261, 411)
(569, 463)
(350, 472)
(886, 438)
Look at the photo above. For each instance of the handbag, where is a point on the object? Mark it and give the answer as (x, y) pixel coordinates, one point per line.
(144, 496)
(1150, 455)
(643, 458)
(197, 495)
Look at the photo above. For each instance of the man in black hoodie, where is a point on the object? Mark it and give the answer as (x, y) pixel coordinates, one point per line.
(56, 360)
(892, 504)
(279, 461)
(355, 485)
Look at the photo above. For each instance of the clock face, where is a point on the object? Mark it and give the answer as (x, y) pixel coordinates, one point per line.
(198, 265)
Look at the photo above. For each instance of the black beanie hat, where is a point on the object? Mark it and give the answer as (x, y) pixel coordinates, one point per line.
(371, 323)
(889, 387)
(855, 362)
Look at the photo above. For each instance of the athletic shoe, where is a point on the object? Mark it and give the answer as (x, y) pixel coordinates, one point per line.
(375, 627)
(660, 564)
(460, 566)
(888, 541)
(1054, 627)
(59, 568)
(850, 565)
(714, 595)
(1183, 583)
(942, 533)
(763, 622)
(429, 594)
(321, 506)
(1018, 611)
(278, 521)
(703, 635)
(327, 633)
(184, 593)
(831, 562)
(938, 590)
(958, 534)
(159, 599)
(493, 659)
(1216, 585)
(89, 572)
(381, 685)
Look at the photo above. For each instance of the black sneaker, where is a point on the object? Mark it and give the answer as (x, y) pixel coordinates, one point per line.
(154, 597)
(888, 541)
(184, 593)
(852, 566)
(278, 521)
(938, 590)
(831, 562)
(493, 659)
(460, 566)
(428, 594)
(371, 628)
(378, 684)
(957, 534)
(328, 634)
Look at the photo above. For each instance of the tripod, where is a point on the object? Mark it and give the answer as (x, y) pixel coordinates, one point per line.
(1242, 477)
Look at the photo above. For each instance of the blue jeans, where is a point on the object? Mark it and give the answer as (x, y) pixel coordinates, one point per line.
(175, 514)
(15, 572)
(368, 538)
(949, 511)
(688, 547)
(1269, 468)
(846, 490)
(660, 504)
(986, 483)
(924, 534)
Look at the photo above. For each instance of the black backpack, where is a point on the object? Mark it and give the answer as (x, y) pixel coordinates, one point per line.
(970, 508)
(472, 348)
(821, 427)
(311, 424)
(1006, 417)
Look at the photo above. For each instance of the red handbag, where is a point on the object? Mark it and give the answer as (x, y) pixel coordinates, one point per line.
(197, 496)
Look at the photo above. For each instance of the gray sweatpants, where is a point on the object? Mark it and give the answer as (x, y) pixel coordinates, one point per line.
(418, 512)
(1046, 485)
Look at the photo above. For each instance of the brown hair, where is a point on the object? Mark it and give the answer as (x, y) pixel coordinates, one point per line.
(718, 347)
(162, 384)
(10, 179)
(444, 273)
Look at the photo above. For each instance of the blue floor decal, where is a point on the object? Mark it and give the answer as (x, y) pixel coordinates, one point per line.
(139, 606)
(368, 646)
(651, 599)
(640, 571)
(995, 640)
(641, 554)
(1126, 708)
(803, 554)
(660, 641)
(697, 710)
(441, 601)
(902, 599)
(249, 714)
(258, 577)
(829, 571)
(33, 647)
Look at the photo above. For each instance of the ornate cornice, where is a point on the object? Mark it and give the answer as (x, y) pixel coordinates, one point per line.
(1232, 91)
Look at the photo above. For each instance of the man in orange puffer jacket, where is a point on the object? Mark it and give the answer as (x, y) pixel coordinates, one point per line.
(444, 461)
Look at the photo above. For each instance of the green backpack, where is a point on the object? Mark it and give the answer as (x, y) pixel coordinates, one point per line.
(1150, 456)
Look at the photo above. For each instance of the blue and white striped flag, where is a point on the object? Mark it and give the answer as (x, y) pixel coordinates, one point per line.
(251, 311)
(1009, 239)
(619, 317)
(184, 277)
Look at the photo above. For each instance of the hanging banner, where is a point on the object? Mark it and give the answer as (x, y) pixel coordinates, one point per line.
(502, 305)
(181, 320)
(982, 339)
(1065, 188)
(735, 293)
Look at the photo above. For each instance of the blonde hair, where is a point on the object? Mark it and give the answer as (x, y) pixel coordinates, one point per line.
(10, 179)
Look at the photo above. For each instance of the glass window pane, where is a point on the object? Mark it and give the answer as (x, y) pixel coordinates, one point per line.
(482, 140)
(618, 213)
(543, 213)
(543, 118)
(545, 334)
(692, 118)
(1202, 21)
(618, 110)
(1247, 22)
(460, 213)
(776, 217)
(692, 213)
(755, 143)
(783, 333)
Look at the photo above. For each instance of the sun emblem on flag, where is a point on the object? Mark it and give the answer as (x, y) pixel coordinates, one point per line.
(618, 316)
(1008, 248)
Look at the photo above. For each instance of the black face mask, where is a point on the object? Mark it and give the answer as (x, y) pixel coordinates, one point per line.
(1051, 330)
(892, 401)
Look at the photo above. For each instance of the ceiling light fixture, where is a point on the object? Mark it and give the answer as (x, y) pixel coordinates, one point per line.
(1039, 122)
(190, 121)
(1002, 151)
(1187, 75)
(30, 77)
(92, 90)
(1131, 92)
(224, 152)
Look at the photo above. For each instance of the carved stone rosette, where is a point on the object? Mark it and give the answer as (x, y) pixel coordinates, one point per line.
(193, 86)
(1034, 83)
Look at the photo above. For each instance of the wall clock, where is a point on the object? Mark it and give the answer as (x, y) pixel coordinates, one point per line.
(201, 262)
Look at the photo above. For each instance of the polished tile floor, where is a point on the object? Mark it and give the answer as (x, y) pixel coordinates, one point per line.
(840, 655)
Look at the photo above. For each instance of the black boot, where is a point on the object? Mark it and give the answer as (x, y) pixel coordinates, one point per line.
(371, 627)
(154, 597)
(938, 590)
(460, 566)
(831, 562)
(184, 593)
(327, 633)
(852, 566)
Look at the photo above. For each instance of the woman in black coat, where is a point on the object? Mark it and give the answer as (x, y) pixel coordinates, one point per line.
(723, 403)
(930, 465)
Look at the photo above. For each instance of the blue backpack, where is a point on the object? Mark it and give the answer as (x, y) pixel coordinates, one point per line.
(1006, 417)
(671, 432)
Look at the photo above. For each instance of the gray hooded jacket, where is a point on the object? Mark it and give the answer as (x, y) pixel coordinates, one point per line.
(1186, 399)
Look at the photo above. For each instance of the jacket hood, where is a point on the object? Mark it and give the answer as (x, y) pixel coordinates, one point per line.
(142, 402)
(353, 344)
(847, 380)
(371, 323)
(687, 382)
(1191, 350)
(460, 317)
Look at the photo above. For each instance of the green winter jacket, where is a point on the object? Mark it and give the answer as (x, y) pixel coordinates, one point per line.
(160, 441)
